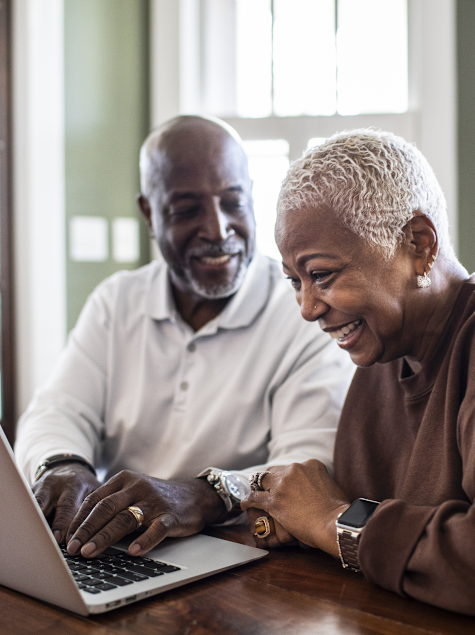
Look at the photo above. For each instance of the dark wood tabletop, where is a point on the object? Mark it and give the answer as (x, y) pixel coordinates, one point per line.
(291, 592)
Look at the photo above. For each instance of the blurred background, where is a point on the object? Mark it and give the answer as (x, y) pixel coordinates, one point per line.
(90, 79)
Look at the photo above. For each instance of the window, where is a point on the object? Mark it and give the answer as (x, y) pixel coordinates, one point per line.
(304, 57)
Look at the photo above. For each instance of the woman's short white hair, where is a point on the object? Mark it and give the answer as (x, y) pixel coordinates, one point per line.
(373, 182)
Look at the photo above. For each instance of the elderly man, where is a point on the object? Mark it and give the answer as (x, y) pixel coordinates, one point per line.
(199, 360)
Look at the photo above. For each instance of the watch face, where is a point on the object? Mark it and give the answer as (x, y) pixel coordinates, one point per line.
(358, 514)
(236, 487)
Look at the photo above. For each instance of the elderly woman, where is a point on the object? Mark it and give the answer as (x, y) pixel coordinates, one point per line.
(362, 228)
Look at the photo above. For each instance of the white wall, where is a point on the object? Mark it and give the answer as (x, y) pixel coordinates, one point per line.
(38, 114)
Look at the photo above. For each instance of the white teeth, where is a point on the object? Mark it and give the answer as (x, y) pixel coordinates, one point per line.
(215, 260)
(345, 330)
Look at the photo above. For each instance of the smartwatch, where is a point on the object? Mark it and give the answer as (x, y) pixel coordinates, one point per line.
(349, 527)
(231, 488)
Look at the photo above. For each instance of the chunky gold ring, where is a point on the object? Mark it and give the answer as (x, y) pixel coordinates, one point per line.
(255, 480)
(264, 527)
(138, 513)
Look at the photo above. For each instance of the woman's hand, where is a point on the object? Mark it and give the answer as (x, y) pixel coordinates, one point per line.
(279, 538)
(305, 500)
(170, 508)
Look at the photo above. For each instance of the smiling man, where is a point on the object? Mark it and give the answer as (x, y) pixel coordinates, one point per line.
(199, 359)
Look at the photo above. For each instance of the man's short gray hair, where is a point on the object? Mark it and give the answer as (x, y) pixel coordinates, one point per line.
(373, 182)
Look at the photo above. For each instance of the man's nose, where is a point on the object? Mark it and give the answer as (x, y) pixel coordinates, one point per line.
(216, 227)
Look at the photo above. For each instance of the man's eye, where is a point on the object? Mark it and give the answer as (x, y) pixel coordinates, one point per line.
(184, 210)
(233, 205)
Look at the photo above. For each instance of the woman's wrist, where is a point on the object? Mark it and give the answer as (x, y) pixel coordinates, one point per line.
(331, 539)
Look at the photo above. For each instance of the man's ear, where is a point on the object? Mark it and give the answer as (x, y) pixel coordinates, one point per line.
(422, 237)
(144, 206)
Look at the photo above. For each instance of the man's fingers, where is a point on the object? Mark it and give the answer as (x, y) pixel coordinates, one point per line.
(45, 498)
(121, 525)
(101, 514)
(66, 508)
(159, 529)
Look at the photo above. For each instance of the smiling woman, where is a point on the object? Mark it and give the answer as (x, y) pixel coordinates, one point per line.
(361, 222)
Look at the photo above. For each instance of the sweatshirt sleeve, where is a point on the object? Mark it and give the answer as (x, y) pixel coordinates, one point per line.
(425, 552)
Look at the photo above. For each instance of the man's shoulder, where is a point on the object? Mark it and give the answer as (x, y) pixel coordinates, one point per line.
(130, 281)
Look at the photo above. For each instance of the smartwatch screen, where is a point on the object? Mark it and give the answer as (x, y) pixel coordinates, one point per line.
(358, 514)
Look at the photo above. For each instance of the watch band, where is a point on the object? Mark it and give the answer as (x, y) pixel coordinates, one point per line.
(348, 549)
(57, 459)
(349, 527)
(213, 476)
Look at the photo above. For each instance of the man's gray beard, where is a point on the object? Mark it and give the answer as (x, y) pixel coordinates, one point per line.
(219, 290)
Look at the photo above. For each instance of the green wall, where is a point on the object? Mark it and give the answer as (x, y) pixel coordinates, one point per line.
(106, 120)
(466, 130)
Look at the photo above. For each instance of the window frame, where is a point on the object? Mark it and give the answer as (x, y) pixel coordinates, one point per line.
(6, 218)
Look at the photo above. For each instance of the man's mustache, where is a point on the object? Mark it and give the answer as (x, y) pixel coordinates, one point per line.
(231, 247)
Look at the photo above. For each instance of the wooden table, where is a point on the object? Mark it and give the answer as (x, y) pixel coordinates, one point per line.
(291, 592)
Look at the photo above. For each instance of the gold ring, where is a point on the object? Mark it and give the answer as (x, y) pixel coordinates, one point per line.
(138, 514)
(264, 527)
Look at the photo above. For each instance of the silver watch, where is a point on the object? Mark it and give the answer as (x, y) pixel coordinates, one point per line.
(349, 527)
(231, 488)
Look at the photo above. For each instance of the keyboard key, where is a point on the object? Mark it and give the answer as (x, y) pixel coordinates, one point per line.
(79, 577)
(136, 569)
(135, 577)
(90, 589)
(119, 581)
(101, 575)
(105, 586)
(167, 568)
(92, 582)
(77, 567)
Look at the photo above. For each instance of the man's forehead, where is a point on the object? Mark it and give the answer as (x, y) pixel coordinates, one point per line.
(221, 167)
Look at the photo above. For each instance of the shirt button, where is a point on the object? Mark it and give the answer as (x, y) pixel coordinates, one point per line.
(184, 385)
(191, 347)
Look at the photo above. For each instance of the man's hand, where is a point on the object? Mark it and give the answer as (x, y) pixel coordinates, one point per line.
(305, 500)
(170, 508)
(62, 489)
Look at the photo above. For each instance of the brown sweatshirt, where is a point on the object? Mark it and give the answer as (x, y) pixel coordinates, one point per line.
(409, 441)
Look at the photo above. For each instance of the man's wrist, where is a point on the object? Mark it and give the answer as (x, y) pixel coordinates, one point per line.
(62, 459)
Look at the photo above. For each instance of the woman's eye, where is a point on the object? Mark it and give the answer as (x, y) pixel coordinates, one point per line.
(320, 276)
(295, 282)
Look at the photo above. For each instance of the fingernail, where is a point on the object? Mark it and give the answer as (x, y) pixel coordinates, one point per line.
(89, 548)
(134, 549)
(74, 546)
(57, 535)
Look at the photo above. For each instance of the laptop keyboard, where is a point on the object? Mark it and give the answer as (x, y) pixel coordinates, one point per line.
(112, 569)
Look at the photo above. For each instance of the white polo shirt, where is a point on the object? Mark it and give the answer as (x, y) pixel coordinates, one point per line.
(136, 388)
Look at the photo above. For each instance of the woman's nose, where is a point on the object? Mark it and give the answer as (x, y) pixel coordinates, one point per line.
(311, 307)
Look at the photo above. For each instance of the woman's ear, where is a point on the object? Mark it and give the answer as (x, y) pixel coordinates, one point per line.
(422, 237)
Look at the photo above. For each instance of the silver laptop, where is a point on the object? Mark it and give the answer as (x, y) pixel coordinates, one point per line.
(31, 561)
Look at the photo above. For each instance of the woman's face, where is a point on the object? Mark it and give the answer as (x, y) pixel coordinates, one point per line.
(357, 296)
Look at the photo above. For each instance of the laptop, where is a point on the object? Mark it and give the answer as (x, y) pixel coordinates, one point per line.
(32, 562)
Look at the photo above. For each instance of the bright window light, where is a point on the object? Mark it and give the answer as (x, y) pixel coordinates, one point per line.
(268, 165)
(304, 57)
(372, 56)
(254, 58)
(315, 141)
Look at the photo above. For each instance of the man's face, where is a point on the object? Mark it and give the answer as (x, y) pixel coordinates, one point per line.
(203, 216)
